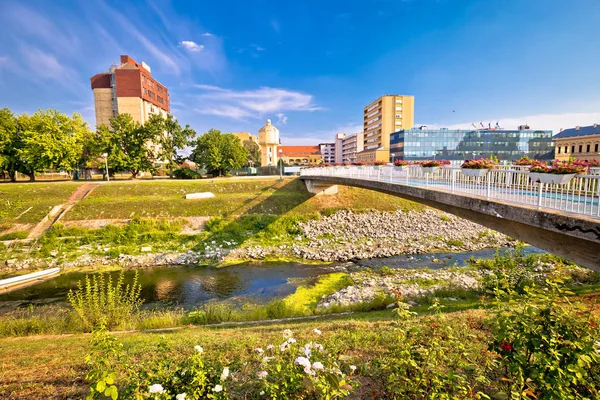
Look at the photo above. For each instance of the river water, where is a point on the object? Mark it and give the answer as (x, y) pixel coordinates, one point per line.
(190, 286)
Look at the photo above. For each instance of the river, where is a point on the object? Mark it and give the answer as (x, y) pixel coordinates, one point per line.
(190, 286)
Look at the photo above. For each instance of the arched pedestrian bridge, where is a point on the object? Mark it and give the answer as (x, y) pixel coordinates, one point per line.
(562, 219)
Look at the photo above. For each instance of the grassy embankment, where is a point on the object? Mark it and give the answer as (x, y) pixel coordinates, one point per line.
(23, 205)
(155, 213)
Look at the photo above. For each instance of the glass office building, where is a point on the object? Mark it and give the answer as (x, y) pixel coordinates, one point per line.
(507, 145)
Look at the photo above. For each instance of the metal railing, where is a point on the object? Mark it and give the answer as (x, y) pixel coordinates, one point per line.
(581, 195)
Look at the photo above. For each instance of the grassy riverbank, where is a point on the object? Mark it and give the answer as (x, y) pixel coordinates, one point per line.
(133, 217)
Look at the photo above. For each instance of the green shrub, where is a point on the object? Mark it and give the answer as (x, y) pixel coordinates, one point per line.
(548, 347)
(98, 301)
(186, 173)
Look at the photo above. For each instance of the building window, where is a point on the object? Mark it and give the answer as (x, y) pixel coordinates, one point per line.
(596, 147)
(573, 149)
(581, 148)
(559, 150)
(587, 148)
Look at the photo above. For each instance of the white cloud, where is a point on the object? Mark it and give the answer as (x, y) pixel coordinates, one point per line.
(45, 65)
(211, 87)
(553, 122)
(257, 47)
(191, 46)
(252, 103)
(207, 34)
(226, 110)
(34, 23)
(282, 118)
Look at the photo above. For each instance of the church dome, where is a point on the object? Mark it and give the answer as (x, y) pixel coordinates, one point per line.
(268, 134)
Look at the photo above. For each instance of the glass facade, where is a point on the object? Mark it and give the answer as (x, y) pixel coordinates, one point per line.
(509, 145)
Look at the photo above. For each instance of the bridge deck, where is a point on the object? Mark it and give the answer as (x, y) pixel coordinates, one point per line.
(579, 196)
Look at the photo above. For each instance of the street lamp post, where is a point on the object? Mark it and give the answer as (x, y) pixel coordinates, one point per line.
(393, 157)
(105, 155)
(280, 165)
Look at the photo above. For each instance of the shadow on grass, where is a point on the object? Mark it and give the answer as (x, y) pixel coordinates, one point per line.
(264, 217)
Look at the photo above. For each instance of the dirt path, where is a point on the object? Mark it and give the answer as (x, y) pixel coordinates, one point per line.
(59, 211)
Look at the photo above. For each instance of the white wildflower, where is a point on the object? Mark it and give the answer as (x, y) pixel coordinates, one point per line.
(291, 340)
(270, 347)
(317, 365)
(262, 392)
(353, 368)
(284, 346)
(287, 333)
(262, 374)
(199, 349)
(180, 396)
(225, 373)
(267, 359)
(218, 388)
(156, 388)
(316, 331)
(259, 350)
(307, 351)
(309, 371)
(302, 361)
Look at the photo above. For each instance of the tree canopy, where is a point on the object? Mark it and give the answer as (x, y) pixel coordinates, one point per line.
(253, 152)
(219, 152)
(44, 140)
(127, 144)
(170, 136)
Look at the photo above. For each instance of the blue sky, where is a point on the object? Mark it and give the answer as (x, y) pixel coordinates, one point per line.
(311, 66)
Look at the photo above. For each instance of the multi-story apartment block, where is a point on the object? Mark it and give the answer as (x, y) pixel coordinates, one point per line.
(128, 89)
(328, 152)
(386, 115)
(350, 146)
(339, 140)
(580, 143)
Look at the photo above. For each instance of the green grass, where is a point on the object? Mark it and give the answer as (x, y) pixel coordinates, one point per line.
(15, 198)
(233, 197)
(306, 298)
(14, 235)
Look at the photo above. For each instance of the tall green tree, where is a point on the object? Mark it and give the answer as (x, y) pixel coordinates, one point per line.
(253, 152)
(127, 144)
(9, 143)
(170, 136)
(219, 153)
(48, 139)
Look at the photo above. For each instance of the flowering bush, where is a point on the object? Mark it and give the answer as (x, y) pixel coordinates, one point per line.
(561, 168)
(593, 163)
(290, 370)
(546, 345)
(526, 161)
(359, 163)
(482, 163)
(401, 163)
(434, 163)
(379, 162)
(286, 371)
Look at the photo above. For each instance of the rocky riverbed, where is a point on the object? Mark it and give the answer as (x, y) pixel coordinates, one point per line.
(342, 236)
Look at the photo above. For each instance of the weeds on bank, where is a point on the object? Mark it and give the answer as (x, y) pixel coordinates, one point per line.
(98, 301)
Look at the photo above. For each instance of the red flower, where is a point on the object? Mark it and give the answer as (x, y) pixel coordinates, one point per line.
(506, 346)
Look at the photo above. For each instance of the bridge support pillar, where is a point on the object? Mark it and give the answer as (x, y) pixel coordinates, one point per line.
(319, 187)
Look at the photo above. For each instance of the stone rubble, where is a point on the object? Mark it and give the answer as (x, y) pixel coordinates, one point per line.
(342, 236)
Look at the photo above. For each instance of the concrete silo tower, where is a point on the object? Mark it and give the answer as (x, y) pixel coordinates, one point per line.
(268, 140)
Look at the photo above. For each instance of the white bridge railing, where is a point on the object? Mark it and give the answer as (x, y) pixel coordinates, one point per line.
(580, 196)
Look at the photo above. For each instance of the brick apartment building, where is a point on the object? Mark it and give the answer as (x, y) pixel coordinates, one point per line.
(128, 89)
